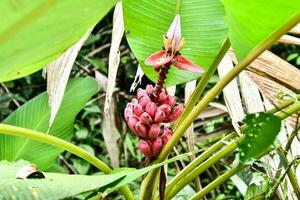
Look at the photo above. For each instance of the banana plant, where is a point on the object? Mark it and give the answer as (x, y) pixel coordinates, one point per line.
(234, 24)
(174, 42)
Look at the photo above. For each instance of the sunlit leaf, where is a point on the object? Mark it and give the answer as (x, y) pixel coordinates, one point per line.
(35, 115)
(60, 186)
(34, 33)
(202, 24)
(54, 186)
(262, 131)
(251, 22)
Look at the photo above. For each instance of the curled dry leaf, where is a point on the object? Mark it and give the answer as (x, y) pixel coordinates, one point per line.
(273, 76)
(288, 39)
(296, 29)
(137, 79)
(231, 94)
(58, 73)
(188, 91)
(114, 53)
(110, 135)
(250, 93)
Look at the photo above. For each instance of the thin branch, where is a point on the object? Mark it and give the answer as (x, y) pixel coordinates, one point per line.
(7, 91)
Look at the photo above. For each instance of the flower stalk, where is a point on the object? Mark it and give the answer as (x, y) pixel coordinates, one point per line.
(161, 79)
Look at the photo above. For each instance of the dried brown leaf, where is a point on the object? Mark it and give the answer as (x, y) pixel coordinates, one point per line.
(231, 93)
(58, 73)
(288, 39)
(295, 29)
(114, 53)
(109, 132)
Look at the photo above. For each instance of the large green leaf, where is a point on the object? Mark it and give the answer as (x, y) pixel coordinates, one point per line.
(53, 186)
(251, 22)
(202, 27)
(33, 33)
(262, 131)
(59, 186)
(35, 115)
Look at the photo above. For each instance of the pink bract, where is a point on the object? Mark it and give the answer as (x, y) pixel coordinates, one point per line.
(173, 42)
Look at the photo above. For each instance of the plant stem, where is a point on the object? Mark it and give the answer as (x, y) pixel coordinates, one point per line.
(224, 177)
(218, 182)
(202, 84)
(179, 132)
(198, 161)
(288, 146)
(201, 168)
(284, 114)
(290, 111)
(62, 144)
(191, 166)
(293, 179)
(283, 105)
(218, 145)
(288, 171)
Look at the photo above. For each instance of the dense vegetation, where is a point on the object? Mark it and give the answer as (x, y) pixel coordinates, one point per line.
(227, 153)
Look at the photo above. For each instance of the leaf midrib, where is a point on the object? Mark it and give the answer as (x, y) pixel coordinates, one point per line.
(27, 140)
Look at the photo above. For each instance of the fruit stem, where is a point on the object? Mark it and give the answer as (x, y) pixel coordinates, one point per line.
(161, 79)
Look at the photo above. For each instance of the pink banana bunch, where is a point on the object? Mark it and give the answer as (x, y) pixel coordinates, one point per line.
(146, 116)
(153, 107)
